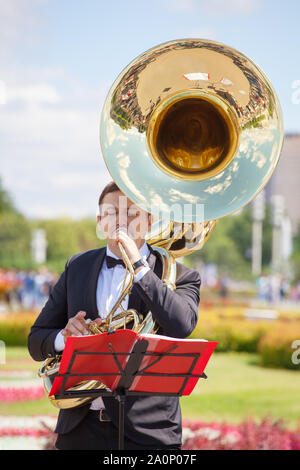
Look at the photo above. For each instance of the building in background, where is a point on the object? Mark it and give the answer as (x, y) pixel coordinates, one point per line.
(286, 180)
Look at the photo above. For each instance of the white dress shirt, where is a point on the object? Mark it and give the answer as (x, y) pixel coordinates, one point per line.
(109, 287)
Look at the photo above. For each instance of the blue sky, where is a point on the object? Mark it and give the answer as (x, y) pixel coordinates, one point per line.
(59, 57)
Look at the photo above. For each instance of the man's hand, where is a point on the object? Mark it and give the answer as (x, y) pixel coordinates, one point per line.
(128, 244)
(76, 326)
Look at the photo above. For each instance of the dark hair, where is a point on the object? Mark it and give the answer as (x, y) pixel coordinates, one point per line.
(109, 188)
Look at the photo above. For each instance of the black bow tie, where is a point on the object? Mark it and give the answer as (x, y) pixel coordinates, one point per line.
(112, 262)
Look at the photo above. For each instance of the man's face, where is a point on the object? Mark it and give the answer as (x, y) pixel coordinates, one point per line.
(119, 212)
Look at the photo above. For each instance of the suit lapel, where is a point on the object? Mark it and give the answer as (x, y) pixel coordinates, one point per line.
(91, 300)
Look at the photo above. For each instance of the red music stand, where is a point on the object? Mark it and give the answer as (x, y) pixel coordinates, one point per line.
(131, 364)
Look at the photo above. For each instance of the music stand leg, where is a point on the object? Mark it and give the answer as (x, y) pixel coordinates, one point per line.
(121, 399)
(133, 364)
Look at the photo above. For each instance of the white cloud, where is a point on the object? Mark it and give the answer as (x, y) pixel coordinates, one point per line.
(80, 180)
(233, 6)
(37, 93)
(62, 209)
(216, 7)
(50, 154)
(69, 130)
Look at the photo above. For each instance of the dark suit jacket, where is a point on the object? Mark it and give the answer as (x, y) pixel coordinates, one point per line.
(149, 420)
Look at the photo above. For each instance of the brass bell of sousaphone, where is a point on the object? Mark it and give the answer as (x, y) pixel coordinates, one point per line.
(191, 131)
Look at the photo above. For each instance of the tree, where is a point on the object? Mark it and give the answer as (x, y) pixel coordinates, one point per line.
(229, 246)
(15, 237)
(6, 204)
(222, 250)
(295, 258)
(66, 237)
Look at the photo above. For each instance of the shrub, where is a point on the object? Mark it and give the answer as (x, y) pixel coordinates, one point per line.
(272, 340)
(275, 347)
(15, 328)
(231, 334)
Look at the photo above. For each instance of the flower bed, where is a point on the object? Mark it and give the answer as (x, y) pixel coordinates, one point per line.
(204, 436)
(267, 435)
(13, 394)
(24, 432)
(16, 432)
(197, 435)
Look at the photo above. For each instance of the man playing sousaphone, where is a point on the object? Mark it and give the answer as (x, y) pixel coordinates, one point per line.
(87, 290)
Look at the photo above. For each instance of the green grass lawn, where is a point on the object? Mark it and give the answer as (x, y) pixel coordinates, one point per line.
(236, 388)
(18, 359)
